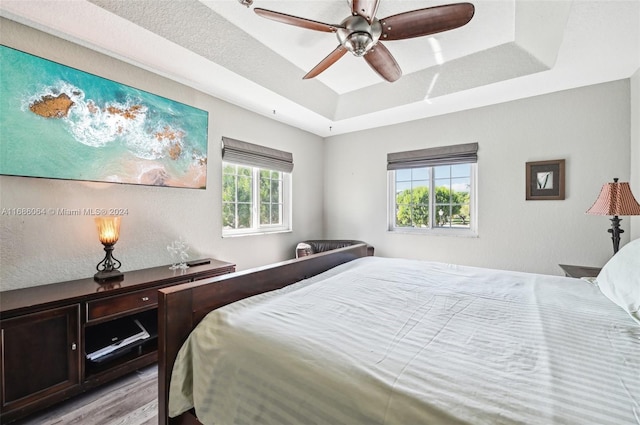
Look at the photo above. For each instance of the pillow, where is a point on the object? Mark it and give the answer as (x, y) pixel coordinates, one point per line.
(303, 249)
(619, 279)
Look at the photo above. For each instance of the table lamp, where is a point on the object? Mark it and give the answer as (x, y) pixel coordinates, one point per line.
(615, 199)
(108, 233)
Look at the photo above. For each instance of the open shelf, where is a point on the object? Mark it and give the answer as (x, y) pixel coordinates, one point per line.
(127, 353)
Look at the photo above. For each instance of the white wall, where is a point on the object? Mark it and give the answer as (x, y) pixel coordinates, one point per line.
(634, 182)
(44, 249)
(588, 127)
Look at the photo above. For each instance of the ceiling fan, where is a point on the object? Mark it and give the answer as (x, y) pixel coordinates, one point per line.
(361, 32)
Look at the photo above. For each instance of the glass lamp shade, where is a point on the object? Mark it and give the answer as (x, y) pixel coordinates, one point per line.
(108, 229)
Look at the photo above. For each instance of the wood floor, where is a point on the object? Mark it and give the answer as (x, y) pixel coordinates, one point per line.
(131, 400)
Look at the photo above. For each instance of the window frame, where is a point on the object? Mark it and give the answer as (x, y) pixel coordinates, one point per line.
(256, 227)
(471, 231)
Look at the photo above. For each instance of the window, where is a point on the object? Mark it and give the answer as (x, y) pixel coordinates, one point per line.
(433, 190)
(256, 191)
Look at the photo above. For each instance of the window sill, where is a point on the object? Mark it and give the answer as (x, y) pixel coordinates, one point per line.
(262, 232)
(460, 233)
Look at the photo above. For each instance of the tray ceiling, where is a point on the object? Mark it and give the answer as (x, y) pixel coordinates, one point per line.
(511, 49)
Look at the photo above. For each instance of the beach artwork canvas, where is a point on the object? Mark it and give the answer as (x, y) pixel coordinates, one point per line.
(62, 123)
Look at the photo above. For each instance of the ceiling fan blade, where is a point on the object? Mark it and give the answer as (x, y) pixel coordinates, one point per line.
(381, 60)
(365, 8)
(326, 62)
(431, 20)
(296, 21)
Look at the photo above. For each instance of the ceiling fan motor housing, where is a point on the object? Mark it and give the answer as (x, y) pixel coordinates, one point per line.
(358, 36)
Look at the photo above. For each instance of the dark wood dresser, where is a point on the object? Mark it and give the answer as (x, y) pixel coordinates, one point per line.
(45, 328)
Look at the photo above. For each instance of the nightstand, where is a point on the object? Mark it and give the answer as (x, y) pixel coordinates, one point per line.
(580, 271)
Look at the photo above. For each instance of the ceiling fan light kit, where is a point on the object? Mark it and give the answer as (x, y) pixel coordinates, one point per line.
(361, 32)
(357, 35)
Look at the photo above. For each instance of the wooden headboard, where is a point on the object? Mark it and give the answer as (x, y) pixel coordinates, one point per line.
(182, 307)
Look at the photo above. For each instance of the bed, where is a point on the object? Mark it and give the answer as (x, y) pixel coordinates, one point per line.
(342, 338)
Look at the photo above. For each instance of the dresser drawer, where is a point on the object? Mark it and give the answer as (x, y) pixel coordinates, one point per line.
(126, 303)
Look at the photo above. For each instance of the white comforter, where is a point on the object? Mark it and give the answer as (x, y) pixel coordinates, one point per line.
(390, 341)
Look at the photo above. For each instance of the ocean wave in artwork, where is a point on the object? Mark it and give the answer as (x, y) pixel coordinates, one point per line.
(125, 121)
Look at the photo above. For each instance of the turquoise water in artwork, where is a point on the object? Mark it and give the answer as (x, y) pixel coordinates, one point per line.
(110, 132)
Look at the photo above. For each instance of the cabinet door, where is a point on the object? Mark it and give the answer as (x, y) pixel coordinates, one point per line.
(40, 358)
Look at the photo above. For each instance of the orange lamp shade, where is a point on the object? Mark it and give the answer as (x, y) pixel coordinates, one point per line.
(108, 229)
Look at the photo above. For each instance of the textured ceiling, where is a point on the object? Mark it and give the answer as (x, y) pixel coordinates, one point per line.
(510, 49)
